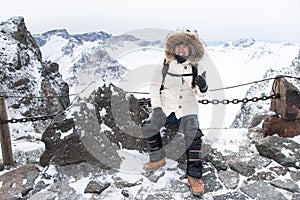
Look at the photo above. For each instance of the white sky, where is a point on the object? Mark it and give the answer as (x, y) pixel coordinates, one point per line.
(276, 20)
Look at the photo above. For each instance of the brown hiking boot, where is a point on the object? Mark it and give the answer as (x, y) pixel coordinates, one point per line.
(196, 185)
(152, 166)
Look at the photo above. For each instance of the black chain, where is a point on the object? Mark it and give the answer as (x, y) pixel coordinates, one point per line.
(226, 101)
(236, 101)
(30, 119)
(40, 118)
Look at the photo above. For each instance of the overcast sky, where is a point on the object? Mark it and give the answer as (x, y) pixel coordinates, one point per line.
(276, 20)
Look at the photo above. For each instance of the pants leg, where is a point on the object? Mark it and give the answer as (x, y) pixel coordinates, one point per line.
(152, 137)
(193, 140)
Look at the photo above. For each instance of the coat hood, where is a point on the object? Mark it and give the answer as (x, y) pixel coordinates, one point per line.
(191, 39)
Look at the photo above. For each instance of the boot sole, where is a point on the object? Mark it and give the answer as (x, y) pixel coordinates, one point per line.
(153, 169)
(197, 194)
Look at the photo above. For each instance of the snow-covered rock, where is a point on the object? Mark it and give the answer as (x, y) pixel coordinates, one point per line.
(33, 87)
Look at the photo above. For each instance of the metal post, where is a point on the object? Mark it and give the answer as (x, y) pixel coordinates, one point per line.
(6, 148)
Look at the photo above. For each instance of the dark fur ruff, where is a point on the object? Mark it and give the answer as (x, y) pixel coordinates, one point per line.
(191, 39)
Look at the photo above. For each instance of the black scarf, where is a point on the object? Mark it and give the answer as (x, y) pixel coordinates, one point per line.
(180, 59)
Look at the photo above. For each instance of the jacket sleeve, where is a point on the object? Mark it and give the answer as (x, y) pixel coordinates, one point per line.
(205, 62)
(155, 85)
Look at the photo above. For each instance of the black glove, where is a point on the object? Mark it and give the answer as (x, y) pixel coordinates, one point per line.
(201, 83)
(159, 117)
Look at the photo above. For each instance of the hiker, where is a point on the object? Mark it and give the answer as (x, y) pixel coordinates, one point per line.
(173, 95)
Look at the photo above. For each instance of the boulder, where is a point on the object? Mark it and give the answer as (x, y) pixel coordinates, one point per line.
(284, 128)
(286, 122)
(98, 124)
(262, 190)
(284, 151)
(288, 105)
(17, 181)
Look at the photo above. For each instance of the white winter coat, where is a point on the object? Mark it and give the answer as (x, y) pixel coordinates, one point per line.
(178, 94)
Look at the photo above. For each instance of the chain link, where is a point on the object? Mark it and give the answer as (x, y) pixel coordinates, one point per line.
(236, 101)
(30, 119)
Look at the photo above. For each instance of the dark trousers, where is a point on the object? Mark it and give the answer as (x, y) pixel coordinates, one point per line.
(189, 126)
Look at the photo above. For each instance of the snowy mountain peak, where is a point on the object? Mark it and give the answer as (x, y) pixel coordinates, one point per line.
(15, 29)
(92, 36)
(242, 42)
(58, 32)
(41, 39)
(11, 25)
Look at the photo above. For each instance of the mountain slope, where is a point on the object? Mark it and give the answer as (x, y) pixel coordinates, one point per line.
(82, 55)
(250, 111)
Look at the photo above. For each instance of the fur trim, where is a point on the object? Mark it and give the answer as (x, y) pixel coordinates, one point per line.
(191, 39)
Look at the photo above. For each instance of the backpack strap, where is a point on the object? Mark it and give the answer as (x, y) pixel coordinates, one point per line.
(195, 74)
(179, 75)
(165, 70)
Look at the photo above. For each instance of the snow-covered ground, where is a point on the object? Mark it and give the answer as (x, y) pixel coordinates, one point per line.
(228, 141)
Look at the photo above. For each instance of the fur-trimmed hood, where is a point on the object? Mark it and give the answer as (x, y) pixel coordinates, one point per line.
(191, 39)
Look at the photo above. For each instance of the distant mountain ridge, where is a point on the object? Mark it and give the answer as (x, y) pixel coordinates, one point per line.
(80, 53)
(41, 39)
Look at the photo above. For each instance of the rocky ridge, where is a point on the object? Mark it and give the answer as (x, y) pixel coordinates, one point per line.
(26, 80)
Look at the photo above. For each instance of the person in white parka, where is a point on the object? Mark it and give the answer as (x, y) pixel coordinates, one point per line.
(173, 93)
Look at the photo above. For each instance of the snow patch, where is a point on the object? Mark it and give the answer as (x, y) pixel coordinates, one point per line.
(80, 185)
(226, 140)
(104, 127)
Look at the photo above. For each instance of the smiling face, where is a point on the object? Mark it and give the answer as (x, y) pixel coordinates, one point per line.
(182, 50)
